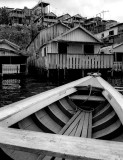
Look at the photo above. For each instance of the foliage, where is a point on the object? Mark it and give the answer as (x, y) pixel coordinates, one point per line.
(4, 16)
(21, 37)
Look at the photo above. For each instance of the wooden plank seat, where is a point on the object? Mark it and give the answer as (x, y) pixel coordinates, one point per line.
(86, 97)
(80, 125)
(84, 88)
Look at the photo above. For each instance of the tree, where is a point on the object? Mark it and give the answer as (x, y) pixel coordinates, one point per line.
(4, 16)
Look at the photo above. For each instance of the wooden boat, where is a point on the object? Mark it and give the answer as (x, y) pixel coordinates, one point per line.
(79, 120)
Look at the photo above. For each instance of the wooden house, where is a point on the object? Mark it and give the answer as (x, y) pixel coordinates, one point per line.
(117, 51)
(112, 35)
(46, 20)
(75, 49)
(12, 60)
(64, 17)
(17, 16)
(59, 47)
(40, 8)
(75, 41)
(75, 20)
(118, 57)
(45, 36)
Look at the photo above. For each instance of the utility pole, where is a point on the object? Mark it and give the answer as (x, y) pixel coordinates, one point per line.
(103, 12)
(98, 14)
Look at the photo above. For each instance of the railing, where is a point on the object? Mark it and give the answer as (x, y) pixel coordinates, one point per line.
(118, 66)
(10, 68)
(78, 61)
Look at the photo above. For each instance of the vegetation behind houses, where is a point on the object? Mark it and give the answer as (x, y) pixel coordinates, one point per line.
(19, 35)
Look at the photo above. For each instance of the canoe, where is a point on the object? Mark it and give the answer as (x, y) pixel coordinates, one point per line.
(79, 120)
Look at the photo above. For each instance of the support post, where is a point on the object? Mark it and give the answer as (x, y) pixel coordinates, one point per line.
(48, 73)
(82, 73)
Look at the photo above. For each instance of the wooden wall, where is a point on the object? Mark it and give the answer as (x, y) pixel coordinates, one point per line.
(46, 35)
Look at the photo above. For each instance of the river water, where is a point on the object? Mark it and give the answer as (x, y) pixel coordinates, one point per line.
(12, 90)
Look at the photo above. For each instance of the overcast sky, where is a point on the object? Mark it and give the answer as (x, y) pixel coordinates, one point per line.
(87, 8)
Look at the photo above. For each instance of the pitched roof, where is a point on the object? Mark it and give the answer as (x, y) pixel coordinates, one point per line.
(75, 28)
(64, 15)
(117, 45)
(13, 47)
(59, 22)
(11, 44)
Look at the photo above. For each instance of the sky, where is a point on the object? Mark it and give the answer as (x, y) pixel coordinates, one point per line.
(106, 9)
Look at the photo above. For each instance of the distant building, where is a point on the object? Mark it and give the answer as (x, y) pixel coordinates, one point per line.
(113, 35)
(12, 59)
(46, 20)
(74, 20)
(27, 16)
(95, 25)
(118, 52)
(109, 24)
(40, 9)
(64, 17)
(17, 16)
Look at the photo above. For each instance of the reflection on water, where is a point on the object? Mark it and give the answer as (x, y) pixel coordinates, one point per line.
(116, 81)
(12, 90)
(11, 84)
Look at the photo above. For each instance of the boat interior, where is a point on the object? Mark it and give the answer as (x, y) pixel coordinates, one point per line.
(85, 113)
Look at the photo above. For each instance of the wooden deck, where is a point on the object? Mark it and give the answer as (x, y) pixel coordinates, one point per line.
(79, 61)
(118, 66)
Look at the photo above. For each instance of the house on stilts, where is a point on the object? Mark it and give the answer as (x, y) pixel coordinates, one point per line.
(12, 59)
(60, 48)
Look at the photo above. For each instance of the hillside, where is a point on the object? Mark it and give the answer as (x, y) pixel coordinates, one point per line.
(19, 35)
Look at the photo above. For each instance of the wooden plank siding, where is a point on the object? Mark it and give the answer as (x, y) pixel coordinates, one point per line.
(46, 35)
(78, 61)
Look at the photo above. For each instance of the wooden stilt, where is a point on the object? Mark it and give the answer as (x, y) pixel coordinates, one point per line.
(82, 72)
(58, 74)
(64, 74)
(48, 73)
(112, 73)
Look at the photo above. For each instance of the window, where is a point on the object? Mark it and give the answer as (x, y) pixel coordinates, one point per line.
(111, 33)
(45, 52)
(88, 49)
(62, 48)
(102, 35)
(119, 56)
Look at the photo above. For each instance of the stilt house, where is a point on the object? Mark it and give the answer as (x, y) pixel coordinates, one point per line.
(12, 60)
(58, 46)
